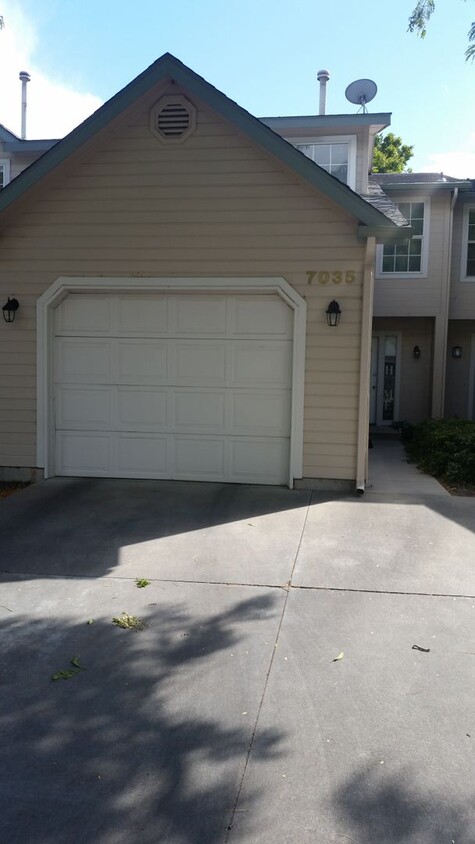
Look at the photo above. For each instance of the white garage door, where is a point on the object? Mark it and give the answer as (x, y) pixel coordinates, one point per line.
(181, 386)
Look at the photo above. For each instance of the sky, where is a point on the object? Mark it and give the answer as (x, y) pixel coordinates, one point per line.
(265, 55)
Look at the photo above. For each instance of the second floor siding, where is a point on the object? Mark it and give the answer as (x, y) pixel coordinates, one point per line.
(419, 293)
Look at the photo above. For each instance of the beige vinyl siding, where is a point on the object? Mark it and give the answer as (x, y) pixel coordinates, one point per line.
(419, 296)
(215, 206)
(462, 293)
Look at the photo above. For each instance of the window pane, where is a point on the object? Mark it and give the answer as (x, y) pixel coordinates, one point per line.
(417, 210)
(390, 345)
(471, 259)
(307, 149)
(471, 216)
(388, 264)
(340, 171)
(322, 155)
(414, 264)
(402, 248)
(339, 153)
(471, 232)
(401, 265)
(417, 226)
(415, 247)
(405, 209)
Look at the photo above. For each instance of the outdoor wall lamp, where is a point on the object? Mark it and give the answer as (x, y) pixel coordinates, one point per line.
(456, 351)
(416, 352)
(333, 313)
(9, 309)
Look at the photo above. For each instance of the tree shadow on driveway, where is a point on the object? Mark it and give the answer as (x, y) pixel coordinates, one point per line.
(148, 743)
(382, 808)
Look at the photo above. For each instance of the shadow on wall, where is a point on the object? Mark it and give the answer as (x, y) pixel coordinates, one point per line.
(392, 810)
(137, 748)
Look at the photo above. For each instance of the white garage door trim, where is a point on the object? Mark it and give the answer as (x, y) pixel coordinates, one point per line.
(64, 285)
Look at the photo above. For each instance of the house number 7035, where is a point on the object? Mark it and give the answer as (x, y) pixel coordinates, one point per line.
(335, 277)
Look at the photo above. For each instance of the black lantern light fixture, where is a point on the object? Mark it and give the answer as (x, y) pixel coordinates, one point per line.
(333, 313)
(416, 352)
(9, 309)
(456, 351)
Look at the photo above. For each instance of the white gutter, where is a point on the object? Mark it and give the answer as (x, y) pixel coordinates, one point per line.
(365, 366)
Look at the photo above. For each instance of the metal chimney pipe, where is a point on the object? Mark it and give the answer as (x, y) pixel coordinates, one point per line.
(323, 76)
(24, 79)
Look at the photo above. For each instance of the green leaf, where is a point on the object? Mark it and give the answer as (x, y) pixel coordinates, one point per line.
(76, 663)
(65, 675)
(141, 582)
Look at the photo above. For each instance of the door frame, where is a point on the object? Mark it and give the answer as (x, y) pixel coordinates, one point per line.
(380, 335)
(65, 285)
(471, 381)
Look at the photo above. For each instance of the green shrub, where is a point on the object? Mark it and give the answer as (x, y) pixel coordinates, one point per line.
(444, 448)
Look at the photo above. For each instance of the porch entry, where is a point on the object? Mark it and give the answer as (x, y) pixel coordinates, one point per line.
(385, 375)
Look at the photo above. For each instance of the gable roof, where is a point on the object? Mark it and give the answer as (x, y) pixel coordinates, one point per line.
(6, 135)
(373, 221)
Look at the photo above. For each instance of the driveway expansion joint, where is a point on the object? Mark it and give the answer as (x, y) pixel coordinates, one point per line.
(383, 592)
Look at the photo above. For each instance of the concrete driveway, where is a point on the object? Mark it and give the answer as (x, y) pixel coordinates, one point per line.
(229, 718)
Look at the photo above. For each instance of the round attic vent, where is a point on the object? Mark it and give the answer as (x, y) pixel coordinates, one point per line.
(173, 119)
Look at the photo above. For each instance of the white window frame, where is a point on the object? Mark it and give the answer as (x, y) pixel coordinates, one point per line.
(334, 139)
(464, 276)
(5, 165)
(423, 272)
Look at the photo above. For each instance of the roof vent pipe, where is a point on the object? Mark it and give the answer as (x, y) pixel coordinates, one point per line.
(24, 79)
(323, 76)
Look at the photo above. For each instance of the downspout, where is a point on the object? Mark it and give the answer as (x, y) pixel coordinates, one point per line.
(441, 331)
(365, 366)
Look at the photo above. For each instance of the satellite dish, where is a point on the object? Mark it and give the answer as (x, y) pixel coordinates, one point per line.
(360, 92)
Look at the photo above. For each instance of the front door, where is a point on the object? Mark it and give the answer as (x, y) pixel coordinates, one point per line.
(385, 372)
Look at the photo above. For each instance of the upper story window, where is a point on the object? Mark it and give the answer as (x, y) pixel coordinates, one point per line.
(4, 172)
(468, 244)
(409, 256)
(336, 154)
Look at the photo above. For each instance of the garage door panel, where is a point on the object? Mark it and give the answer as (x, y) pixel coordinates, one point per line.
(142, 314)
(200, 364)
(83, 454)
(199, 457)
(262, 315)
(146, 456)
(142, 362)
(261, 364)
(261, 414)
(197, 315)
(82, 314)
(140, 410)
(259, 461)
(198, 410)
(177, 386)
(85, 408)
(84, 361)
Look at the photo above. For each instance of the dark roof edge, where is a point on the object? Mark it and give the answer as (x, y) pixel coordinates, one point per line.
(384, 234)
(24, 146)
(168, 65)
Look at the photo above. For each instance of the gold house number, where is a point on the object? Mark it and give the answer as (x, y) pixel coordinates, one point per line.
(335, 277)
